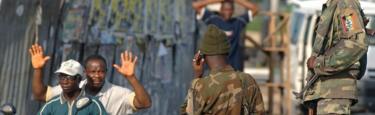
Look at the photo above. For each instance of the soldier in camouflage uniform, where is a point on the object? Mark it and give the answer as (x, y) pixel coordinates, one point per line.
(339, 46)
(224, 91)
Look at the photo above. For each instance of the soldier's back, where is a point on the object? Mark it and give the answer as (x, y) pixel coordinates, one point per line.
(227, 92)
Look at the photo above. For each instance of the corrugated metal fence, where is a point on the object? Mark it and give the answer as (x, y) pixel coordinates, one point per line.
(15, 68)
(161, 32)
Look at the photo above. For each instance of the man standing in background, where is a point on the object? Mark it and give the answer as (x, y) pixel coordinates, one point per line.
(233, 27)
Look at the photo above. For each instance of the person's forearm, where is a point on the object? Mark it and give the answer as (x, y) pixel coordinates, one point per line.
(248, 5)
(38, 88)
(199, 4)
(142, 98)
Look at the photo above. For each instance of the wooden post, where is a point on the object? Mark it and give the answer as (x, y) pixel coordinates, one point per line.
(287, 68)
(272, 50)
(272, 61)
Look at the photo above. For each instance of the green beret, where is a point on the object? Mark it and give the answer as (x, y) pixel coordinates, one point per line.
(214, 42)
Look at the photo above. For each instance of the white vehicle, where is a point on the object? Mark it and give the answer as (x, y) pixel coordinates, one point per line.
(303, 22)
(367, 84)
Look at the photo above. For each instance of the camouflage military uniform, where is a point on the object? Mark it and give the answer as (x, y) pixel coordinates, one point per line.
(224, 92)
(338, 67)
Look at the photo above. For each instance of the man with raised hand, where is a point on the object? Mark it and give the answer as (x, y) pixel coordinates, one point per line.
(116, 100)
(72, 100)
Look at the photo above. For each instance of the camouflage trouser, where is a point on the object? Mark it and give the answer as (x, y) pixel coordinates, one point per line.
(333, 107)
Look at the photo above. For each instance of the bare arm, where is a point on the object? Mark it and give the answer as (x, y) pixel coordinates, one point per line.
(199, 4)
(38, 61)
(142, 99)
(248, 5)
(39, 89)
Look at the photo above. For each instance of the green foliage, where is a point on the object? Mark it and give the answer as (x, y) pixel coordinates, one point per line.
(256, 24)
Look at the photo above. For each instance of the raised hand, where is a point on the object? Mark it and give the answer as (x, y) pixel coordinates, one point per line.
(38, 60)
(128, 64)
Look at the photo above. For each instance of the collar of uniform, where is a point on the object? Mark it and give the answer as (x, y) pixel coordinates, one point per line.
(225, 69)
(105, 87)
(102, 91)
(63, 100)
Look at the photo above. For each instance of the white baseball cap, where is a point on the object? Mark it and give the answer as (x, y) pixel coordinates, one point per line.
(71, 67)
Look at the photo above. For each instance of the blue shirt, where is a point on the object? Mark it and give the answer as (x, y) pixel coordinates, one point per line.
(233, 29)
(59, 106)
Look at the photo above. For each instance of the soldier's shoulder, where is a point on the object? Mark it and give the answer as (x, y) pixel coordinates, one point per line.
(247, 77)
(347, 4)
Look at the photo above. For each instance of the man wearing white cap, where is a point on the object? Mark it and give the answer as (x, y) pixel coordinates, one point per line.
(72, 100)
(116, 100)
